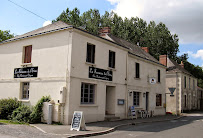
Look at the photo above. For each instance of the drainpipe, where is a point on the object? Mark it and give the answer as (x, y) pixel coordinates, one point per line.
(126, 81)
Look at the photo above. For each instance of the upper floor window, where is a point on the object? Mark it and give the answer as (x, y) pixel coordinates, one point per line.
(184, 81)
(90, 53)
(137, 70)
(27, 54)
(189, 83)
(159, 76)
(25, 90)
(193, 84)
(112, 59)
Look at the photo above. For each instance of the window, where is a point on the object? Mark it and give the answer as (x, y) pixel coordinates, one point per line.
(137, 70)
(112, 59)
(185, 100)
(189, 83)
(184, 81)
(159, 76)
(27, 54)
(158, 99)
(25, 90)
(90, 53)
(136, 98)
(193, 84)
(87, 93)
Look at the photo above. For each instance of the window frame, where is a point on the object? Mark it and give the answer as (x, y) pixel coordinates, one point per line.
(25, 93)
(112, 59)
(27, 54)
(136, 99)
(90, 54)
(158, 99)
(82, 97)
(137, 70)
(185, 82)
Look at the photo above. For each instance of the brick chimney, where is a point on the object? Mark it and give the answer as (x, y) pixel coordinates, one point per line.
(146, 49)
(181, 64)
(163, 59)
(105, 30)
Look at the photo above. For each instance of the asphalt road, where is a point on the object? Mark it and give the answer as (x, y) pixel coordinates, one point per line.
(189, 127)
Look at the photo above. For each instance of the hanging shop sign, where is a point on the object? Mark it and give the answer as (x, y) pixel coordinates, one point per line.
(27, 72)
(101, 74)
(152, 80)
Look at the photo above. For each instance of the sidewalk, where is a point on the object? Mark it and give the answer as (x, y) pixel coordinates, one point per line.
(98, 128)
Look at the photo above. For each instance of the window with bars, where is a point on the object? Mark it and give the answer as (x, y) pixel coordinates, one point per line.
(90, 53)
(25, 90)
(136, 98)
(158, 99)
(27, 54)
(87, 93)
(137, 70)
(112, 59)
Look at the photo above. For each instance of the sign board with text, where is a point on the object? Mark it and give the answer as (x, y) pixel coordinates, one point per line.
(101, 74)
(27, 72)
(78, 121)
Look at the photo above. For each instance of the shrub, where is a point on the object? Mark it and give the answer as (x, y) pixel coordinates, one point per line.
(35, 116)
(21, 114)
(7, 106)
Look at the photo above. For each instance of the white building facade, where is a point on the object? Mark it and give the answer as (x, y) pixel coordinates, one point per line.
(81, 72)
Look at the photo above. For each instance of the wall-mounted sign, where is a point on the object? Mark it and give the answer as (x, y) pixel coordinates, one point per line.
(27, 72)
(152, 80)
(101, 74)
(78, 121)
(172, 91)
(120, 101)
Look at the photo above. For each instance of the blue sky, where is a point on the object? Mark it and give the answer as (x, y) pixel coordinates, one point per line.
(186, 22)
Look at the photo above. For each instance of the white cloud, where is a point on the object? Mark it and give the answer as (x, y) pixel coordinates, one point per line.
(199, 54)
(182, 17)
(46, 23)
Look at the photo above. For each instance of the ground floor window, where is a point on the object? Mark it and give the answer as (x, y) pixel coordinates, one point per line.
(158, 99)
(185, 101)
(87, 93)
(25, 90)
(136, 98)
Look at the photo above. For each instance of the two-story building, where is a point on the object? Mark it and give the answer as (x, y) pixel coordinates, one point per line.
(99, 75)
(181, 87)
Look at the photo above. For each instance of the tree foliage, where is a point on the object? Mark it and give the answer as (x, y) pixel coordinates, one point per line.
(4, 35)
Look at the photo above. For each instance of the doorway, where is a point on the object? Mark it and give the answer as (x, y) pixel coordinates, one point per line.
(110, 100)
(147, 101)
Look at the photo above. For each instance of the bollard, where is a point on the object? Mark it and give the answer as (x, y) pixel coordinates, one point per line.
(49, 121)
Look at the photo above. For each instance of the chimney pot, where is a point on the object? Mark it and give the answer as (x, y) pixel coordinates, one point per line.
(182, 64)
(146, 49)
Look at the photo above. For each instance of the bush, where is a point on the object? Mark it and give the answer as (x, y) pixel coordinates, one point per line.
(37, 112)
(7, 106)
(21, 114)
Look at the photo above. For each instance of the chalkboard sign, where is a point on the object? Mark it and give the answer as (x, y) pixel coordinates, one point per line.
(27, 72)
(101, 74)
(78, 122)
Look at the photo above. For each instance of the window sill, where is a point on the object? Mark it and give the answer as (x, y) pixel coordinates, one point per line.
(112, 69)
(26, 64)
(137, 78)
(24, 100)
(159, 107)
(88, 105)
(90, 64)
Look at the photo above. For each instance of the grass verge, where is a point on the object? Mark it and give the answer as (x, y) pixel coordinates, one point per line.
(2, 121)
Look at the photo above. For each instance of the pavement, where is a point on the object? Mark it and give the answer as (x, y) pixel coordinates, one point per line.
(98, 128)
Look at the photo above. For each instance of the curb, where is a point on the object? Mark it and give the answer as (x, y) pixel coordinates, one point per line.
(116, 127)
(105, 131)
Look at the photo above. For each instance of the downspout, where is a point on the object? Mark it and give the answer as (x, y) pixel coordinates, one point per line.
(126, 81)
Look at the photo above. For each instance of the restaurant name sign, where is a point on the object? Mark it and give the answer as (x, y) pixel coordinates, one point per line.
(27, 72)
(101, 74)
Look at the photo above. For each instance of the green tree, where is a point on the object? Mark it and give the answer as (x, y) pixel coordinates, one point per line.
(4, 35)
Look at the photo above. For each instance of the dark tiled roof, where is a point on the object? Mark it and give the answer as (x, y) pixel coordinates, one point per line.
(56, 26)
(134, 49)
(177, 67)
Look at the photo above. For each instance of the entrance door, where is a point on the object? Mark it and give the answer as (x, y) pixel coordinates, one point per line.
(110, 100)
(147, 100)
